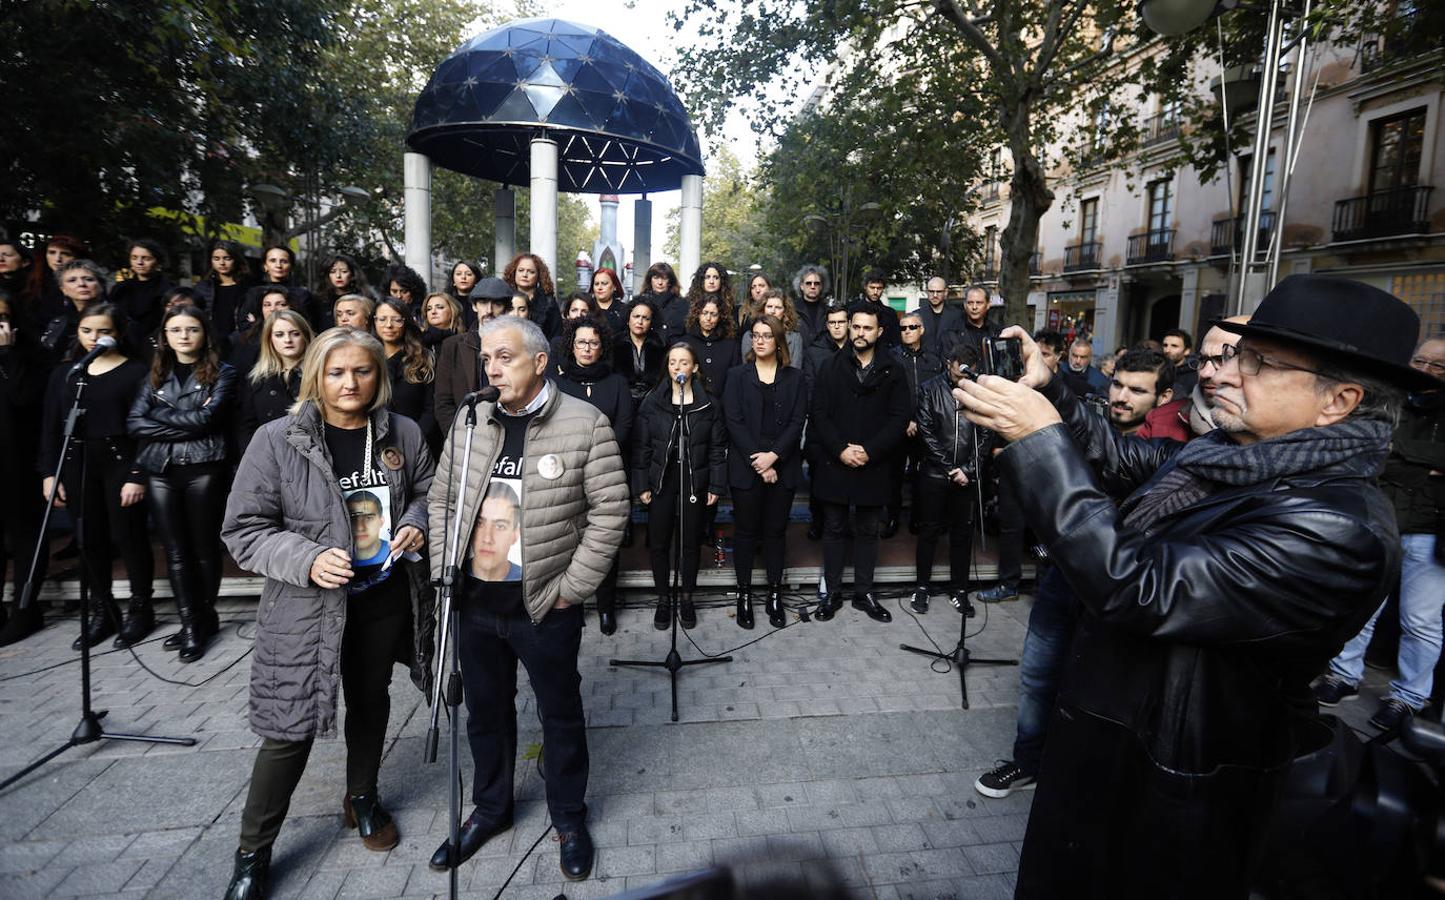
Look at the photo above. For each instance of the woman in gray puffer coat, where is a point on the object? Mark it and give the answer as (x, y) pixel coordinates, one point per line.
(329, 504)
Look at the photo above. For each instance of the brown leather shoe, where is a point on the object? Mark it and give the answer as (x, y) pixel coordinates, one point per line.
(377, 828)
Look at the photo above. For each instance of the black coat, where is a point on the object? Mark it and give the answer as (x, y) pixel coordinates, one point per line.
(816, 356)
(918, 368)
(937, 327)
(300, 299)
(812, 321)
(716, 355)
(459, 372)
(543, 312)
(23, 380)
(949, 440)
(615, 317)
(872, 413)
(182, 424)
(415, 401)
(1187, 687)
(264, 401)
(143, 304)
(672, 315)
(604, 389)
(654, 354)
(743, 407)
(222, 304)
(654, 444)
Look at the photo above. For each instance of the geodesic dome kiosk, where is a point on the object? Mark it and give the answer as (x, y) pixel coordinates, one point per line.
(558, 106)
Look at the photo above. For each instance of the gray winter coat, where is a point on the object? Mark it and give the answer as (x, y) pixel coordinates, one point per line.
(285, 509)
(571, 524)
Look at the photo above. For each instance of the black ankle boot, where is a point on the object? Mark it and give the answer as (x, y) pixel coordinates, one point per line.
(745, 608)
(662, 617)
(776, 617)
(687, 613)
(193, 636)
(249, 877)
(172, 642)
(21, 624)
(104, 614)
(140, 620)
(607, 621)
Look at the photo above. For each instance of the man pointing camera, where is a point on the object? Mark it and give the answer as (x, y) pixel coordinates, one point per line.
(1238, 565)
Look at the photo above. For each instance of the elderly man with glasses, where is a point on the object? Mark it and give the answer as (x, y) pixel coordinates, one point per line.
(810, 284)
(1238, 565)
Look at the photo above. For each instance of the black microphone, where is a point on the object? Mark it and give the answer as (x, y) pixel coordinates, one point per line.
(680, 378)
(486, 393)
(102, 344)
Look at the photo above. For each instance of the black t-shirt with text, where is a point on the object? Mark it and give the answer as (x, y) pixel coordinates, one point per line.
(493, 566)
(375, 585)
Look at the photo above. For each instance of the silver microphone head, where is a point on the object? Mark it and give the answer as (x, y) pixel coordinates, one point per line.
(104, 342)
(680, 378)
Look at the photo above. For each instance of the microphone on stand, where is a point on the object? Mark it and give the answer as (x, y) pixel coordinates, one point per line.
(486, 393)
(103, 344)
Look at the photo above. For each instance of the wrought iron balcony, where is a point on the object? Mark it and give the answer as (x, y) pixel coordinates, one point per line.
(1383, 214)
(1083, 256)
(1409, 35)
(1226, 234)
(1151, 246)
(1159, 128)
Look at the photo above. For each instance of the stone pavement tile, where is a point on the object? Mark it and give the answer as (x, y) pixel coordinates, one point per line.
(39, 795)
(709, 826)
(740, 798)
(878, 788)
(754, 875)
(349, 853)
(796, 846)
(763, 821)
(819, 818)
(35, 885)
(384, 882)
(999, 829)
(655, 830)
(942, 863)
(622, 862)
(684, 856)
(103, 848)
(951, 833)
(151, 873)
(893, 838)
(783, 794)
(738, 850)
(170, 842)
(849, 841)
(983, 887)
(831, 792)
(325, 885)
(28, 856)
(913, 809)
(97, 878)
(890, 868)
(989, 859)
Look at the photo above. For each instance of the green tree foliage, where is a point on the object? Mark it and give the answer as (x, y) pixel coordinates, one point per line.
(734, 226)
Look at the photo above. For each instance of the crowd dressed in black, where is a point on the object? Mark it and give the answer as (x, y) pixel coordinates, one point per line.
(751, 387)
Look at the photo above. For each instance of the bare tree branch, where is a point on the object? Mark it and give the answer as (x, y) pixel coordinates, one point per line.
(1048, 52)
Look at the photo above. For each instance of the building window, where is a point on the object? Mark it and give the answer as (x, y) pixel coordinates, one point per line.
(1089, 221)
(1161, 204)
(990, 242)
(1246, 166)
(1397, 143)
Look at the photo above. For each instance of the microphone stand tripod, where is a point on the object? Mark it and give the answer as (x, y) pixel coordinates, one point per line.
(673, 662)
(960, 656)
(89, 729)
(448, 689)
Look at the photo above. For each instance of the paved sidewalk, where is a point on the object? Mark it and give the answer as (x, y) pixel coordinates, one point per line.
(821, 751)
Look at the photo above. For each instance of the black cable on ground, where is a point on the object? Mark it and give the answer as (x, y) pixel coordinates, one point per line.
(521, 862)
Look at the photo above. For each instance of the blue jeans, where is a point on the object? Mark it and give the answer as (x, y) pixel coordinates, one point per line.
(1041, 665)
(491, 645)
(1422, 598)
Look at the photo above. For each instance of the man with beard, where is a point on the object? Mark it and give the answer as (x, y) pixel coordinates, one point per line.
(873, 286)
(940, 321)
(1237, 566)
(1081, 376)
(1142, 380)
(1176, 346)
(860, 412)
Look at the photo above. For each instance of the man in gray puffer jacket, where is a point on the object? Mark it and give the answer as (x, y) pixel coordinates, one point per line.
(544, 511)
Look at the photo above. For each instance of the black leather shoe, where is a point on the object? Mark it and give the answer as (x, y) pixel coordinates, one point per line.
(103, 616)
(577, 854)
(376, 826)
(687, 613)
(919, 600)
(607, 621)
(889, 529)
(249, 877)
(172, 643)
(825, 609)
(140, 620)
(745, 609)
(869, 604)
(661, 617)
(475, 832)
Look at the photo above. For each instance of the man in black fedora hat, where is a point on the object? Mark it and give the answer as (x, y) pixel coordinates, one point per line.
(1237, 566)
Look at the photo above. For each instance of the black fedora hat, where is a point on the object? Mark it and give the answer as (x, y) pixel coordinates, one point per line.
(1348, 322)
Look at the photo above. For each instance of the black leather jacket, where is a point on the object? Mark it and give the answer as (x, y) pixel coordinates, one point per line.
(1191, 667)
(182, 424)
(949, 440)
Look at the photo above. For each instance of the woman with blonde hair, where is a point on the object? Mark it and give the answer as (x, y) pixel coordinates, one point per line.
(780, 306)
(274, 382)
(441, 317)
(327, 502)
(353, 311)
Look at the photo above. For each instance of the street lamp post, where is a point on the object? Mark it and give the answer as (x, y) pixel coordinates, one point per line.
(842, 224)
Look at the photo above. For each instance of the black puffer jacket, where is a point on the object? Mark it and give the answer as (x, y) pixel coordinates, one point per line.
(182, 424)
(950, 441)
(1187, 687)
(654, 443)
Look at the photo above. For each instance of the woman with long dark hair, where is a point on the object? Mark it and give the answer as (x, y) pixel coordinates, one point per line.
(712, 336)
(580, 305)
(242, 348)
(101, 463)
(586, 373)
(529, 274)
(679, 411)
(141, 296)
(665, 292)
(405, 284)
(766, 404)
(180, 416)
(607, 291)
(16, 266)
(639, 350)
(752, 305)
(278, 269)
(221, 292)
(464, 276)
(271, 387)
(342, 276)
(326, 506)
(410, 365)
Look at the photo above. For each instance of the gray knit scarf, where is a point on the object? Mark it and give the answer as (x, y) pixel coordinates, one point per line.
(1213, 462)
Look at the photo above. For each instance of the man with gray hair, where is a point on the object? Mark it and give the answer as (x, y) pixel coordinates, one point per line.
(520, 595)
(810, 284)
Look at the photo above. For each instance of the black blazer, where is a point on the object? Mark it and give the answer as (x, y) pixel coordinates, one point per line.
(415, 401)
(743, 409)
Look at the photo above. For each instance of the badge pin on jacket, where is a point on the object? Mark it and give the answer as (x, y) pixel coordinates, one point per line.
(550, 467)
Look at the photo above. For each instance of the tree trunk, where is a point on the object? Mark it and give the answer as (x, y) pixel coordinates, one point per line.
(1030, 197)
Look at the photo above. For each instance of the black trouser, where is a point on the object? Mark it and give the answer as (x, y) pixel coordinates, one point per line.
(607, 590)
(103, 519)
(1010, 534)
(905, 470)
(491, 646)
(368, 651)
(940, 505)
(21, 510)
(188, 502)
(760, 512)
(662, 527)
(865, 545)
